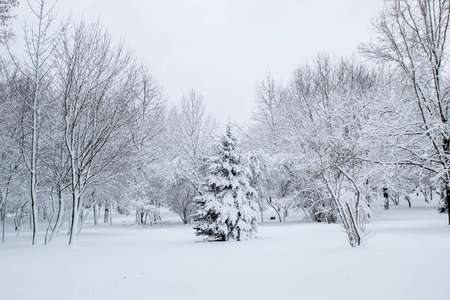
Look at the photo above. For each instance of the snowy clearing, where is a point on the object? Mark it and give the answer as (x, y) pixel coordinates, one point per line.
(406, 258)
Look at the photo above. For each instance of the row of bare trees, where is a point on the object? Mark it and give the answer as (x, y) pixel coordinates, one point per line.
(74, 109)
(346, 132)
(84, 124)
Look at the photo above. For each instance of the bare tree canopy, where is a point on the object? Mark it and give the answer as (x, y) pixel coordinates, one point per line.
(6, 18)
(413, 36)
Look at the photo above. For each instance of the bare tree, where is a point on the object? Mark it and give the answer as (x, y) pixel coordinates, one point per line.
(412, 35)
(54, 162)
(190, 128)
(180, 187)
(37, 68)
(148, 145)
(95, 86)
(266, 119)
(190, 132)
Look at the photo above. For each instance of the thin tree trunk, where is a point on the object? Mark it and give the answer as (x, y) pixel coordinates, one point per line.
(106, 215)
(138, 216)
(425, 194)
(110, 214)
(386, 200)
(34, 221)
(74, 221)
(269, 201)
(5, 212)
(95, 209)
(262, 215)
(34, 135)
(59, 217)
(408, 200)
(447, 200)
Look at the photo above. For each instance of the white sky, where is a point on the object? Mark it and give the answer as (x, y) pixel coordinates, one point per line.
(223, 48)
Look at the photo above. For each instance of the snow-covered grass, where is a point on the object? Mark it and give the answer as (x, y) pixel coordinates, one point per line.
(406, 258)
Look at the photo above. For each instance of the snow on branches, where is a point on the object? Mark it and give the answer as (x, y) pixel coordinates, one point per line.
(227, 210)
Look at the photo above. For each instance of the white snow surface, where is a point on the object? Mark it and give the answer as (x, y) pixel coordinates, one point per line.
(406, 258)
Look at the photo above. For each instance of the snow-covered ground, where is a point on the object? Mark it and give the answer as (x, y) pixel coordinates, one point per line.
(406, 258)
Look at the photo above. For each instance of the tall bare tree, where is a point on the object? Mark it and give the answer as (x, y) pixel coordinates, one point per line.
(95, 83)
(413, 36)
(147, 145)
(191, 129)
(191, 132)
(40, 42)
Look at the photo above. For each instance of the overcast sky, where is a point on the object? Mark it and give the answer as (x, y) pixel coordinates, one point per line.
(223, 48)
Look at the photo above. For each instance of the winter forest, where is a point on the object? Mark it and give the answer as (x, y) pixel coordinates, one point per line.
(341, 178)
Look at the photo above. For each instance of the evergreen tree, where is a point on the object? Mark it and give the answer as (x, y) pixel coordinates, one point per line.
(226, 209)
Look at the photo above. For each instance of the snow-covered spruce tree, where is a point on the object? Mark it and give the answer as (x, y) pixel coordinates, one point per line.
(226, 209)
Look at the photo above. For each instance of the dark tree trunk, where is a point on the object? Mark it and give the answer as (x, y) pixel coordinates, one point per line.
(185, 216)
(408, 200)
(110, 214)
(106, 216)
(447, 200)
(4, 215)
(386, 196)
(447, 179)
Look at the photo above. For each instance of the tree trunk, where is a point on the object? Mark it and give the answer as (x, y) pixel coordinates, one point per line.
(269, 201)
(185, 215)
(4, 215)
(75, 217)
(447, 179)
(60, 216)
(95, 209)
(261, 209)
(386, 196)
(106, 215)
(110, 214)
(447, 200)
(80, 222)
(425, 195)
(34, 221)
(408, 200)
(138, 216)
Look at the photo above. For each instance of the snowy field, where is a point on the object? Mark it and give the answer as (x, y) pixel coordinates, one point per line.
(406, 258)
